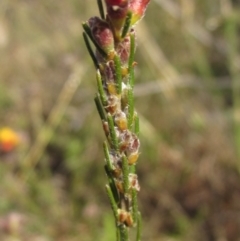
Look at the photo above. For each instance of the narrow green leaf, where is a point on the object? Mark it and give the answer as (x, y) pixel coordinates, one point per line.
(132, 51)
(107, 156)
(114, 140)
(118, 73)
(125, 168)
(134, 206)
(100, 89)
(90, 51)
(100, 109)
(127, 24)
(130, 108)
(131, 77)
(136, 125)
(118, 234)
(112, 184)
(112, 202)
(139, 227)
(132, 169)
(131, 60)
(101, 10)
(89, 33)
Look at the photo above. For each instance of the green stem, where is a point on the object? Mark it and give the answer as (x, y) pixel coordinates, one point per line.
(231, 35)
(139, 227)
(127, 24)
(136, 125)
(118, 73)
(123, 233)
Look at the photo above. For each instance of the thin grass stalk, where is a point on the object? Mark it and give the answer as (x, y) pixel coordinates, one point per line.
(232, 40)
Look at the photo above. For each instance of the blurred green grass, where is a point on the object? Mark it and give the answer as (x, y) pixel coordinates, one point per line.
(187, 92)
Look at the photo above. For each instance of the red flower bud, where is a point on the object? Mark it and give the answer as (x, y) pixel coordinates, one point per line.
(116, 13)
(115, 2)
(138, 8)
(102, 34)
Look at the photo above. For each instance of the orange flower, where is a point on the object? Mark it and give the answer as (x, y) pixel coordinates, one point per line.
(8, 139)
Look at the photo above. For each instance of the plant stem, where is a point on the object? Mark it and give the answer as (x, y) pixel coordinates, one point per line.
(231, 35)
(113, 36)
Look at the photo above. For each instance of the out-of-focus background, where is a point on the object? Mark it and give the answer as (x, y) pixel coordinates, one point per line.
(188, 98)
